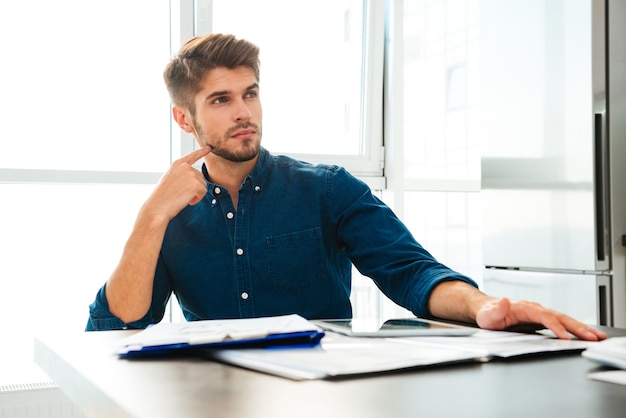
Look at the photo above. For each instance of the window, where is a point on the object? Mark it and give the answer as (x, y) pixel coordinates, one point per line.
(85, 135)
(76, 94)
(321, 76)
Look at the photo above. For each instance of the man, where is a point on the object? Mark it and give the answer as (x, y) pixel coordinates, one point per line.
(258, 235)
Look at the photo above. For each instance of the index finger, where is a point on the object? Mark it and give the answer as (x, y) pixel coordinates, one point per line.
(194, 156)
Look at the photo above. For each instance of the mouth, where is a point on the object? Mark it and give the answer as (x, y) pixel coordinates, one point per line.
(243, 133)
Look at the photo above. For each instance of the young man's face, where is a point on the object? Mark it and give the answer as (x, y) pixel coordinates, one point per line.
(228, 113)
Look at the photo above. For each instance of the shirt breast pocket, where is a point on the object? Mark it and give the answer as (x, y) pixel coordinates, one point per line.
(295, 259)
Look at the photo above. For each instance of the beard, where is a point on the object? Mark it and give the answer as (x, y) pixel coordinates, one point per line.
(248, 151)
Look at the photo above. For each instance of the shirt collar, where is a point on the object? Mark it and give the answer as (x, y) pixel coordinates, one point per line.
(257, 174)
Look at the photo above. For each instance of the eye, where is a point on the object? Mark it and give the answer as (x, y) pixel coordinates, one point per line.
(220, 100)
(251, 94)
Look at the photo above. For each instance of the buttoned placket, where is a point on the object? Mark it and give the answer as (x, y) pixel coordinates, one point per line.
(238, 223)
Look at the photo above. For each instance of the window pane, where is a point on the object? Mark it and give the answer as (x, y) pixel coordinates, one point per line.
(448, 225)
(82, 85)
(440, 89)
(311, 70)
(59, 244)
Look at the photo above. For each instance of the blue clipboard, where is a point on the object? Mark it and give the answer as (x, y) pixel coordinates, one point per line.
(292, 339)
(188, 337)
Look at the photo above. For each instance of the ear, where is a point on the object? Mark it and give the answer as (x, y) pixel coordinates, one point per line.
(183, 118)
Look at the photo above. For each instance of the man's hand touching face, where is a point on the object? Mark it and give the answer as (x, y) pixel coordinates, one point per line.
(180, 186)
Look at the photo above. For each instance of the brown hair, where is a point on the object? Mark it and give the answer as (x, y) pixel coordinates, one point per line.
(184, 73)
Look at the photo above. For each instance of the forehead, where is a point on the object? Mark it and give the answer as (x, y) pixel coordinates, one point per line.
(228, 79)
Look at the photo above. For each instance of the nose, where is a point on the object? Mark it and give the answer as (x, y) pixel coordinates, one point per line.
(243, 113)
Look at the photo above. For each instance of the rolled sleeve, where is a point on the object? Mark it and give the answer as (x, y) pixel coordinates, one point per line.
(101, 318)
(417, 300)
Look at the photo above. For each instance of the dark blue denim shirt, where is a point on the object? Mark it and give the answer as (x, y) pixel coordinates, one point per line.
(287, 248)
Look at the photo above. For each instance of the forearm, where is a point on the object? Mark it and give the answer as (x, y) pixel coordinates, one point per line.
(129, 289)
(456, 300)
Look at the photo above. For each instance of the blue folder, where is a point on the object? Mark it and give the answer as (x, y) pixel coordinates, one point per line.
(191, 337)
(293, 339)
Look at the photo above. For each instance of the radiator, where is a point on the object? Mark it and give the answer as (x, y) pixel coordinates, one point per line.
(35, 400)
(26, 391)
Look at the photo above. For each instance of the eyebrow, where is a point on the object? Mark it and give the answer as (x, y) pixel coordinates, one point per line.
(226, 92)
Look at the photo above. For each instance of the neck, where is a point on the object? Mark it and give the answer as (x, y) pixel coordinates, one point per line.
(229, 174)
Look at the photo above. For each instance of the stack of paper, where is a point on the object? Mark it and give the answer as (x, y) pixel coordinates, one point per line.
(340, 355)
(610, 353)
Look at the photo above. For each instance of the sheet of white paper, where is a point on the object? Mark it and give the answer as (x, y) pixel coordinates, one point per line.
(505, 344)
(610, 352)
(610, 376)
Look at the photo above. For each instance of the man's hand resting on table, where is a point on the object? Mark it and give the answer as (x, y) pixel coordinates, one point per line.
(503, 313)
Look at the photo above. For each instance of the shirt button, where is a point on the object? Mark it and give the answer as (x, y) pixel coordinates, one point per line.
(257, 188)
(244, 295)
(214, 201)
(217, 190)
(230, 215)
(239, 251)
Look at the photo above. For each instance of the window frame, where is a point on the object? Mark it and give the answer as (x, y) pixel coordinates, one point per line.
(370, 165)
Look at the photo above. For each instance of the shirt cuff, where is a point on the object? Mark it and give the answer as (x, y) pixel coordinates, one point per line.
(101, 318)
